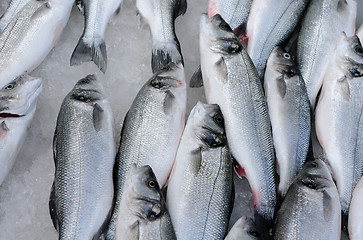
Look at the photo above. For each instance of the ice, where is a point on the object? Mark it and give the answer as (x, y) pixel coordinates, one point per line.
(24, 194)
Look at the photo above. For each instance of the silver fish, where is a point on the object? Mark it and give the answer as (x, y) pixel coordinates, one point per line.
(30, 36)
(144, 212)
(151, 131)
(355, 217)
(243, 229)
(14, 7)
(199, 196)
(84, 154)
(289, 110)
(160, 16)
(270, 23)
(338, 116)
(312, 201)
(323, 22)
(17, 108)
(232, 82)
(91, 46)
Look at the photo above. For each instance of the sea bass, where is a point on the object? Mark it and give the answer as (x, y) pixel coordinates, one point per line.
(338, 120)
(271, 23)
(160, 16)
(91, 46)
(30, 36)
(14, 7)
(311, 202)
(199, 196)
(322, 23)
(17, 108)
(355, 220)
(232, 82)
(144, 212)
(151, 131)
(289, 110)
(243, 229)
(84, 155)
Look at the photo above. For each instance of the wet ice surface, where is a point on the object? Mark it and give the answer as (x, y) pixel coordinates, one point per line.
(24, 194)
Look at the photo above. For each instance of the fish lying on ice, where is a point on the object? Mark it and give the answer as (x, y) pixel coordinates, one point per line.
(243, 229)
(14, 7)
(355, 217)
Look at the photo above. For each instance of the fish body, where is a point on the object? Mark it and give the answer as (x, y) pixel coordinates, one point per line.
(355, 217)
(84, 155)
(312, 201)
(30, 36)
(144, 212)
(289, 111)
(323, 22)
(270, 24)
(151, 131)
(14, 7)
(17, 108)
(91, 46)
(243, 229)
(231, 81)
(199, 194)
(338, 116)
(160, 16)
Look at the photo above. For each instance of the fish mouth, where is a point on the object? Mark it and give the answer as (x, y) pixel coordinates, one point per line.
(10, 115)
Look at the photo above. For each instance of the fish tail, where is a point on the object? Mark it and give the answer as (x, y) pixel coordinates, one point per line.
(164, 54)
(95, 52)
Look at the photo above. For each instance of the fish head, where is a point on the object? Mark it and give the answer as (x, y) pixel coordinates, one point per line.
(172, 76)
(282, 62)
(208, 125)
(315, 175)
(246, 227)
(87, 90)
(19, 97)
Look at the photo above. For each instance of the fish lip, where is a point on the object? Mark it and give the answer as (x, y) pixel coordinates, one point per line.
(10, 115)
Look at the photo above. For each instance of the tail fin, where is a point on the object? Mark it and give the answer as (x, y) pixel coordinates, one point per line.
(163, 54)
(85, 53)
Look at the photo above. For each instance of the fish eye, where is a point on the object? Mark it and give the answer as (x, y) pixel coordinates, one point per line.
(224, 26)
(218, 118)
(287, 56)
(10, 86)
(152, 184)
(358, 49)
(253, 233)
(313, 164)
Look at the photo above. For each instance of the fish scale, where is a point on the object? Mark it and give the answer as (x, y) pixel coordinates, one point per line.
(14, 7)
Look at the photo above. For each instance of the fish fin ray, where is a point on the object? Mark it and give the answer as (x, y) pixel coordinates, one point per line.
(182, 8)
(168, 102)
(164, 55)
(327, 206)
(197, 79)
(52, 208)
(98, 115)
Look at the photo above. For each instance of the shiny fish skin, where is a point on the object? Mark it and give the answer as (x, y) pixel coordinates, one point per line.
(144, 212)
(289, 111)
(231, 81)
(338, 120)
(243, 229)
(91, 46)
(14, 7)
(152, 130)
(360, 33)
(199, 196)
(323, 22)
(19, 98)
(311, 208)
(270, 23)
(30, 36)
(84, 155)
(160, 16)
(355, 220)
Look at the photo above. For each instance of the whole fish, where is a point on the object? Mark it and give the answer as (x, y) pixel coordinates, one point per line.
(84, 155)
(338, 116)
(232, 82)
(199, 196)
(289, 110)
(144, 212)
(270, 24)
(243, 229)
(151, 131)
(14, 7)
(91, 46)
(30, 36)
(160, 16)
(355, 217)
(323, 22)
(17, 108)
(311, 202)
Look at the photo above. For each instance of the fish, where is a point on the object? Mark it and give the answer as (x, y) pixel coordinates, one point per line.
(355, 217)
(289, 110)
(270, 24)
(14, 7)
(338, 116)
(199, 195)
(151, 131)
(160, 15)
(360, 32)
(84, 152)
(144, 212)
(323, 22)
(311, 202)
(91, 46)
(231, 81)
(18, 102)
(243, 229)
(30, 36)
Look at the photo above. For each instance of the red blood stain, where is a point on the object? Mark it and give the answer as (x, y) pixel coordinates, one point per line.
(255, 198)
(240, 171)
(212, 9)
(180, 82)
